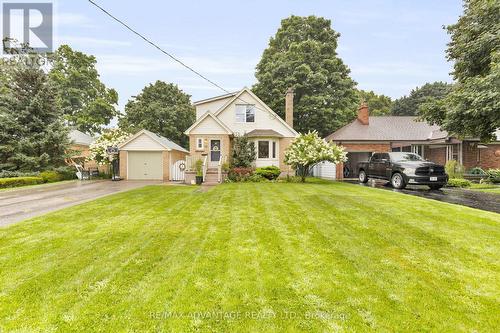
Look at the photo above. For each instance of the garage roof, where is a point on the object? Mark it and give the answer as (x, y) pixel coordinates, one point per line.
(170, 145)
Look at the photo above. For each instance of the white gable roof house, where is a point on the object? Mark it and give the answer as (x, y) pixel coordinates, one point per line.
(220, 118)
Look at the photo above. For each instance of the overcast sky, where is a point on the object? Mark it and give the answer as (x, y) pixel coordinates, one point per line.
(390, 46)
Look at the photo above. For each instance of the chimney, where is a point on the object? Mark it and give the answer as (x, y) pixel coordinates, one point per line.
(364, 114)
(289, 107)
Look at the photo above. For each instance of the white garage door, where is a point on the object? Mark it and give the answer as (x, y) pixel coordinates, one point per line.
(145, 165)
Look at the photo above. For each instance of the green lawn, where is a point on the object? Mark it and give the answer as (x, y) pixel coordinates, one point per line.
(487, 188)
(263, 257)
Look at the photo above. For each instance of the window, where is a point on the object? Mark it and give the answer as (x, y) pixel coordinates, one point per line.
(263, 149)
(199, 143)
(267, 149)
(245, 113)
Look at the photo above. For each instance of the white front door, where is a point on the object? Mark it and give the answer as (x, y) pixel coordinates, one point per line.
(215, 152)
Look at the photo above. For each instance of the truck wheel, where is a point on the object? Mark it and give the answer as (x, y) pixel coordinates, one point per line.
(435, 186)
(398, 181)
(363, 178)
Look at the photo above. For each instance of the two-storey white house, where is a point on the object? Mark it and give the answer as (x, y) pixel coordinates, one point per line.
(220, 118)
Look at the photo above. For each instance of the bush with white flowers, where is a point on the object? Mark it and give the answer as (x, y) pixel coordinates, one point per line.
(308, 150)
(109, 138)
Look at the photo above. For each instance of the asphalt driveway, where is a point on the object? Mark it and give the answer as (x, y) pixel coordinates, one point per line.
(19, 204)
(469, 198)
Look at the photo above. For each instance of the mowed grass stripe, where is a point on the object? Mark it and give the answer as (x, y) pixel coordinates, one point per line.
(354, 258)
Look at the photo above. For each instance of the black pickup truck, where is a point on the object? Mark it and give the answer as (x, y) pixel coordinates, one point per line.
(402, 169)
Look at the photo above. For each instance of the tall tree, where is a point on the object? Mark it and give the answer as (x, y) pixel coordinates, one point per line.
(302, 55)
(409, 105)
(161, 108)
(85, 101)
(379, 105)
(32, 134)
(472, 109)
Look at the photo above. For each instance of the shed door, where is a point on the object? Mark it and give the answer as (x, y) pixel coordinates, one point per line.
(145, 165)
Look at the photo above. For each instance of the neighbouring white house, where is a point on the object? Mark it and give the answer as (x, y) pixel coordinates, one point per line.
(148, 156)
(220, 118)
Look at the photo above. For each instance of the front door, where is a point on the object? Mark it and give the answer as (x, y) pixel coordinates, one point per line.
(215, 149)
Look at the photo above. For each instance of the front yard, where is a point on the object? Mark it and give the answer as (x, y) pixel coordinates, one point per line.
(255, 257)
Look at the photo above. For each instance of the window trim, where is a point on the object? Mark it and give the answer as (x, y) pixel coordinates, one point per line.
(272, 149)
(245, 114)
(198, 140)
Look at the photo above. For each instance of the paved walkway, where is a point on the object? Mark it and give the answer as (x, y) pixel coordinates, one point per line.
(19, 204)
(469, 198)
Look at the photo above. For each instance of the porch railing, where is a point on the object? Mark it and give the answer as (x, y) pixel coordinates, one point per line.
(205, 167)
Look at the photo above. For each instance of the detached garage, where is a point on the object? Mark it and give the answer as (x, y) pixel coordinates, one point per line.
(147, 156)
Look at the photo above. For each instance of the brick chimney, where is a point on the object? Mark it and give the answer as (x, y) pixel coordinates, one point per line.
(364, 114)
(289, 107)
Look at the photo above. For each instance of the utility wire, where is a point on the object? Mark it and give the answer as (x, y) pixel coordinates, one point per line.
(158, 47)
(171, 56)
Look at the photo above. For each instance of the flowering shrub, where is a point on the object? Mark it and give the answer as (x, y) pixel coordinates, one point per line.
(309, 149)
(239, 174)
(109, 138)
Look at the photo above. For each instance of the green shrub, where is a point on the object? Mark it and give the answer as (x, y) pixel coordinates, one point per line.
(269, 172)
(493, 176)
(255, 178)
(199, 168)
(19, 181)
(243, 152)
(454, 169)
(12, 174)
(458, 182)
(476, 171)
(51, 176)
(66, 172)
(239, 174)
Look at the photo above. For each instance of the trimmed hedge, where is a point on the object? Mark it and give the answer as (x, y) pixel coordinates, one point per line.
(51, 176)
(20, 181)
(458, 182)
(269, 172)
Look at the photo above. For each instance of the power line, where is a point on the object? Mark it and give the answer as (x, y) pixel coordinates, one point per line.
(158, 47)
(171, 56)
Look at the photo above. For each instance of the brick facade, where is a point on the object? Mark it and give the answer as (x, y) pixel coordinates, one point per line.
(485, 158)
(123, 164)
(360, 147)
(225, 144)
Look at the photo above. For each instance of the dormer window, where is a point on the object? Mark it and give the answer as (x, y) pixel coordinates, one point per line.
(245, 113)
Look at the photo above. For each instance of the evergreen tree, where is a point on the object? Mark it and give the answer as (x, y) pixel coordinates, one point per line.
(33, 136)
(302, 55)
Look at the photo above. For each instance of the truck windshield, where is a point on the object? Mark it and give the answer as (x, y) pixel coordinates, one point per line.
(405, 157)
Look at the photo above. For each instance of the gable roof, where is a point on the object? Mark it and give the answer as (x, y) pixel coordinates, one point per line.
(389, 128)
(169, 145)
(266, 108)
(211, 99)
(200, 120)
(80, 138)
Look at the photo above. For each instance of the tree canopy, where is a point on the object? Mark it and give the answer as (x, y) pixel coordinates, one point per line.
(472, 109)
(379, 104)
(302, 55)
(161, 108)
(85, 101)
(32, 134)
(409, 105)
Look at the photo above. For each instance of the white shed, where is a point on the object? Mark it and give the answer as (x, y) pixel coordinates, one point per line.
(325, 170)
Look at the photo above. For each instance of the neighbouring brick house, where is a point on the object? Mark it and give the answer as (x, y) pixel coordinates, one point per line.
(368, 134)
